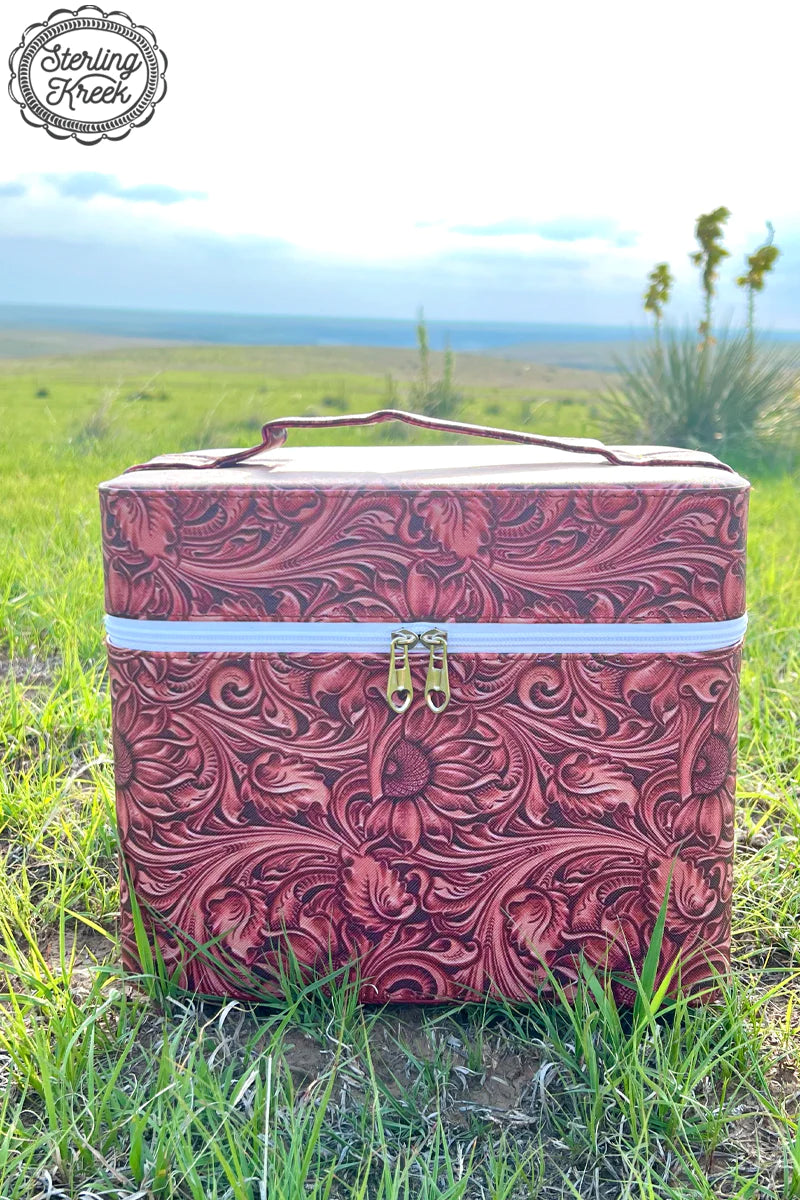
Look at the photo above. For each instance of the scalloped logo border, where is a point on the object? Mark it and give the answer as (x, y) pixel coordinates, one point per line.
(62, 22)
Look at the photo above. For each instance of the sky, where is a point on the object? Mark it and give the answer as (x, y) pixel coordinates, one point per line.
(514, 161)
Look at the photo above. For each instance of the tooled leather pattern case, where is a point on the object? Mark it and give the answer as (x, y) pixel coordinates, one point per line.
(269, 796)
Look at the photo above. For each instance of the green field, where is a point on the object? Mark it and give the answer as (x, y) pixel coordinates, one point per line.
(105, 1092)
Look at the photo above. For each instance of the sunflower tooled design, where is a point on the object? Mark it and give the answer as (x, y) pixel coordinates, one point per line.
(711, 767)
(407, 771)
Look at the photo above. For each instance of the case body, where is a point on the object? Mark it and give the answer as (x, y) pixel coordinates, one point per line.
(270, 799)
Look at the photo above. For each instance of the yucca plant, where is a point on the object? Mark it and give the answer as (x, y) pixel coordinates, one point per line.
(759, 265)
(721, 397)
(660, 282)
(708, 232)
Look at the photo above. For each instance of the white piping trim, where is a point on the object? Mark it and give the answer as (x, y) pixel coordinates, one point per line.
(372, 637)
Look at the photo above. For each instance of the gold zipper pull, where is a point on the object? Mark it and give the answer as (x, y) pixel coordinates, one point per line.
(400, 682)
(438, 679)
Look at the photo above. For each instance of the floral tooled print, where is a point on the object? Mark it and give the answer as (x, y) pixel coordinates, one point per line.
(266, 798)
(548, 554)
(585, 785)
(430, 777)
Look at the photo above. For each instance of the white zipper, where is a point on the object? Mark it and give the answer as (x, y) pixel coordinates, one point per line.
(374, 637)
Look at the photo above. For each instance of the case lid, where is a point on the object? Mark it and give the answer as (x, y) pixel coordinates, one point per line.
(546, 530)
(549, 462)
(413, 467)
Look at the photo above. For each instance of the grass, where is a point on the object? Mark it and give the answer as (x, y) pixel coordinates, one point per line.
(107, 1092)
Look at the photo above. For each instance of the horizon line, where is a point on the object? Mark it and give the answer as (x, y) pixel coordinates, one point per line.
(371, 320)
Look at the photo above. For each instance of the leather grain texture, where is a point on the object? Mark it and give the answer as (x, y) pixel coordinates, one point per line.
(264, 796)
(269, 800)
(457, 554)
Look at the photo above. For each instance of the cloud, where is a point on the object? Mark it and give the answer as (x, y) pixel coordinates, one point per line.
(85, 185)
(61, 252)
(559, 230)
(506, 228)
(158, 193)
(204, 271)
(566, 229)
(12, 189)
(192, 271)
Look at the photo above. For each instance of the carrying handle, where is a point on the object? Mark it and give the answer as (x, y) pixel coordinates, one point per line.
(274, 433)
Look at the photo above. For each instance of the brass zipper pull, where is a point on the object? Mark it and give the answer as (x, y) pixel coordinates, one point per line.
(438, 679)
(400, 683)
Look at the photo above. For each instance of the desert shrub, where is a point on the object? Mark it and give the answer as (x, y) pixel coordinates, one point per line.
(725, 396)
(391, 393)
(394, 433)
(99, 424)
(440, 400)
(434, 397)
(144, 394)
(336, 403)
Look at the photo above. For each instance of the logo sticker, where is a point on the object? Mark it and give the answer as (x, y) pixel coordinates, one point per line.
(88, 75)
